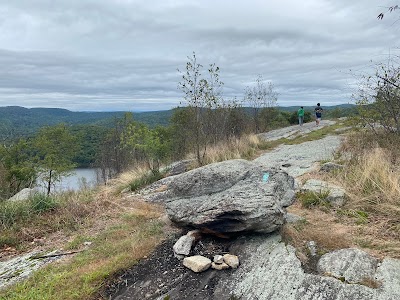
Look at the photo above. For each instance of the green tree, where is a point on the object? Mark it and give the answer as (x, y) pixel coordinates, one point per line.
(379, 99)
(259, 97)
(152, 145)
(181, 137)
(202, 96)
(56, 147)
(17, 166)
(112, 157)
(294, 119)
(89, 138)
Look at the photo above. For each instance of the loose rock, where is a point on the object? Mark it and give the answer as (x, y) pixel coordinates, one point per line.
(292, 218)
(183, 246)
(218, 259)
(197, 263)
(312, 247)
(231, 260)
(222, 266)
(331, 166)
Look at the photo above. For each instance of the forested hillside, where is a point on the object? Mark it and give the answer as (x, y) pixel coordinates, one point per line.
(20, 121)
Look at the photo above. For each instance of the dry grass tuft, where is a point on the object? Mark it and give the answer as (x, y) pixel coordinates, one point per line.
(245, 147)
(372, 182)
(116, 185)
(321, 227)
(371, 283)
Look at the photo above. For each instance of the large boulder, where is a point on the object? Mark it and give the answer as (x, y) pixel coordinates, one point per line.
(230, 197)
(23, 195)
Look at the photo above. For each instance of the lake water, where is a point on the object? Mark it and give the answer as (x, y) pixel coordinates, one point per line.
(78, 179)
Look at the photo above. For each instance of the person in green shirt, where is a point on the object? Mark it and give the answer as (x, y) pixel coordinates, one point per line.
(300, 114)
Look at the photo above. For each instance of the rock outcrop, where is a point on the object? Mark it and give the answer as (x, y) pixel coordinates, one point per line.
(349, 265)
(280, 275)
(230, 197)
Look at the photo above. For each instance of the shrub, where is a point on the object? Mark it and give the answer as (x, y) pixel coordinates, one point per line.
(12, 211)
(313, 199)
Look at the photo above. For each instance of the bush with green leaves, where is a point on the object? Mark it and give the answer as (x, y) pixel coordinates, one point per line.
(13, 212)
(145, 180)
(40, 203)
(378, 99)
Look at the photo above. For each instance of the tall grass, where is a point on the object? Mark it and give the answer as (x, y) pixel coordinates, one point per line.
(22, 221)
(244, 147)
(372, 179)
(131, 180)
(12, 212)
(374, 182)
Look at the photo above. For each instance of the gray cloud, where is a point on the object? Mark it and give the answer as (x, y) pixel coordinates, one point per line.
(123, 55)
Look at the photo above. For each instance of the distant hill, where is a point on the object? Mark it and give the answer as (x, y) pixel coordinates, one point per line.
(343, 107)
(21, 121)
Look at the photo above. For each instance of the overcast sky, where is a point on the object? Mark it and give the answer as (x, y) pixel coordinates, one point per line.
(95, 55)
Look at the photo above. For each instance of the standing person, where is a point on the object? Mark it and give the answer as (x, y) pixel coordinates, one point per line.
(318, 113)
(300, 114)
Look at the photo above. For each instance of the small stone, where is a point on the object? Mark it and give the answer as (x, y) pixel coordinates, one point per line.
(218, 259)
(312, 247)
(197, 263)
(183, 245)
(196, 234)
(331, 166)
(126, 190)
(222, 266)
(87, 243)
(231, 260)
(292, 218)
